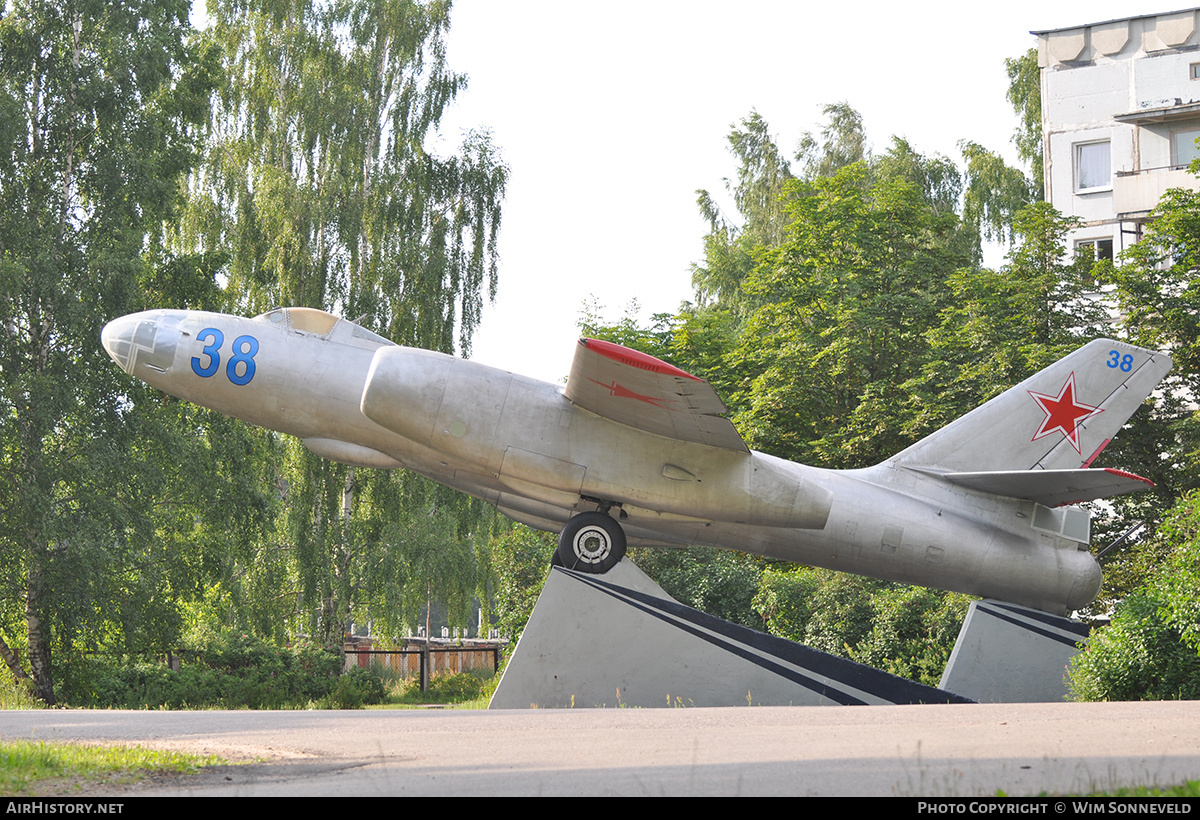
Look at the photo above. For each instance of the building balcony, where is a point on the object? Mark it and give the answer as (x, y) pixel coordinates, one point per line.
(1136, 193)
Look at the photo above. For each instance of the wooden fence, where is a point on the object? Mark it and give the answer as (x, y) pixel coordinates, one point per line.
(430, 661)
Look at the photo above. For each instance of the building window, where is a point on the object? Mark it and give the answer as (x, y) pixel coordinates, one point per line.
(1194, 71)
(1101, 248)
(1093, 166)
(1183, 147)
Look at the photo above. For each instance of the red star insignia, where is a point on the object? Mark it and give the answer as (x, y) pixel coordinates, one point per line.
(1063, 413)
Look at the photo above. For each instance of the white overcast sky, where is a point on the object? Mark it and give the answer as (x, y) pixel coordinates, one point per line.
(611, 115)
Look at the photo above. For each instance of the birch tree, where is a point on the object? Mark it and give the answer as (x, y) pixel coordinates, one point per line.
(99, 105)
(321, 188)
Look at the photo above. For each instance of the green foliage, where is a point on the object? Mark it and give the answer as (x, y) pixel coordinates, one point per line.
(320, 187)
(908, 631)
(655, 339)
(361, 685)
(1189, 788)
(19, 694)
(1159, 298)
(842, 143)
(1151, 650)
(729, 248)
(834, 609)
(1000, 327)
(995, 193)
(450, 687)
(522, 561)
(1025, 96)
(844, 307)
(913, 632)
(718, 582)
(1157, 289)
(319, 183)
(1136, 657)
(228, 670)
(936, 178)
(438, 563)
(455, 687)
(102, 107)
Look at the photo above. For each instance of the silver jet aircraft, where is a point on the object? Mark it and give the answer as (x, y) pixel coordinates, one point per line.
(636, 448)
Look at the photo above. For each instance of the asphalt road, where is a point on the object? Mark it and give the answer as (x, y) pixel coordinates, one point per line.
(958, 750)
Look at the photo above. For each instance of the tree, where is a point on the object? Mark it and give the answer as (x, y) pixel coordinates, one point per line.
(318, 179)
(995, 193)
(729, 248)
(906, 630)
(1158, 297)
(843, 142)
(1025, 96)
(1156, 286)
(1002, 326)
(719, 582)
(522, 557)
(99, 107)
(320, 189)
(732, 249)
(845, 305)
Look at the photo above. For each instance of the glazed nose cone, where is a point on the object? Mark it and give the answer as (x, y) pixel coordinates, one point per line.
(118, 339)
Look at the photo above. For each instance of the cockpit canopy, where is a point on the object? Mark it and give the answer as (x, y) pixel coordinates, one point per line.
(320, 323)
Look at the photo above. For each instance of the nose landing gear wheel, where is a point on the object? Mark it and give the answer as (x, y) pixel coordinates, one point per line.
(591, 542)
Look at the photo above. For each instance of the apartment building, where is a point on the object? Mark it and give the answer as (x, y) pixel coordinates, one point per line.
(1120, 120)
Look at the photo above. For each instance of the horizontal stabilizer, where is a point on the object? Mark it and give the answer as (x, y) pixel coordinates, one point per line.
(640, 391)
(1053, 488)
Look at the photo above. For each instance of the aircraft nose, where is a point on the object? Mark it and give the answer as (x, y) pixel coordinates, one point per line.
(143, 342)
(117, 338)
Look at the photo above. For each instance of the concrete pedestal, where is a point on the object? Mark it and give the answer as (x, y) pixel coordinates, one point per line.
(1012, 654)
(619, 640)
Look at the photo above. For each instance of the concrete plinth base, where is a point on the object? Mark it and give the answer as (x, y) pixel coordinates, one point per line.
(619, 640)
(1012, 654)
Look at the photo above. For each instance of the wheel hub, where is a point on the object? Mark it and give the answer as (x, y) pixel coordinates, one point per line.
(592, 546)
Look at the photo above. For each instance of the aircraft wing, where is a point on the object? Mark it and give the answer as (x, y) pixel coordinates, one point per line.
(646, 393)
(1053, 488)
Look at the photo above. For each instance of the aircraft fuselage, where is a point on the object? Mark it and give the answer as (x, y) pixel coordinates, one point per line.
(522, 446)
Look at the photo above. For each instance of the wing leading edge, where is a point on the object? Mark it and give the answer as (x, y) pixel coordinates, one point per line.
(646, 393)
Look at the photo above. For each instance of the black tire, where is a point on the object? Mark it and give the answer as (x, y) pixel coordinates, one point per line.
(591, 542)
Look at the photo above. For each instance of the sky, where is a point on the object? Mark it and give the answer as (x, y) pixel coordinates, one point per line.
(611, 115)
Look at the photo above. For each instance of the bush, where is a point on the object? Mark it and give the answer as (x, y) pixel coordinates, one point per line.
(455, 687)
(229, 671)
(1151, 650)
(452, 687)
(1139, 656)
(360, 685)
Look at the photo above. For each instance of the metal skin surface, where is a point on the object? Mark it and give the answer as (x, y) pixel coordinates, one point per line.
(643, 442)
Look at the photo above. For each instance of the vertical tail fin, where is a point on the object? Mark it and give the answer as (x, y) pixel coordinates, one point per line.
(1058, 419)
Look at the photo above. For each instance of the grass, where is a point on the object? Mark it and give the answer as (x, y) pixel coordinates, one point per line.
(37, 768)
(1189, 789)
(15, 695)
